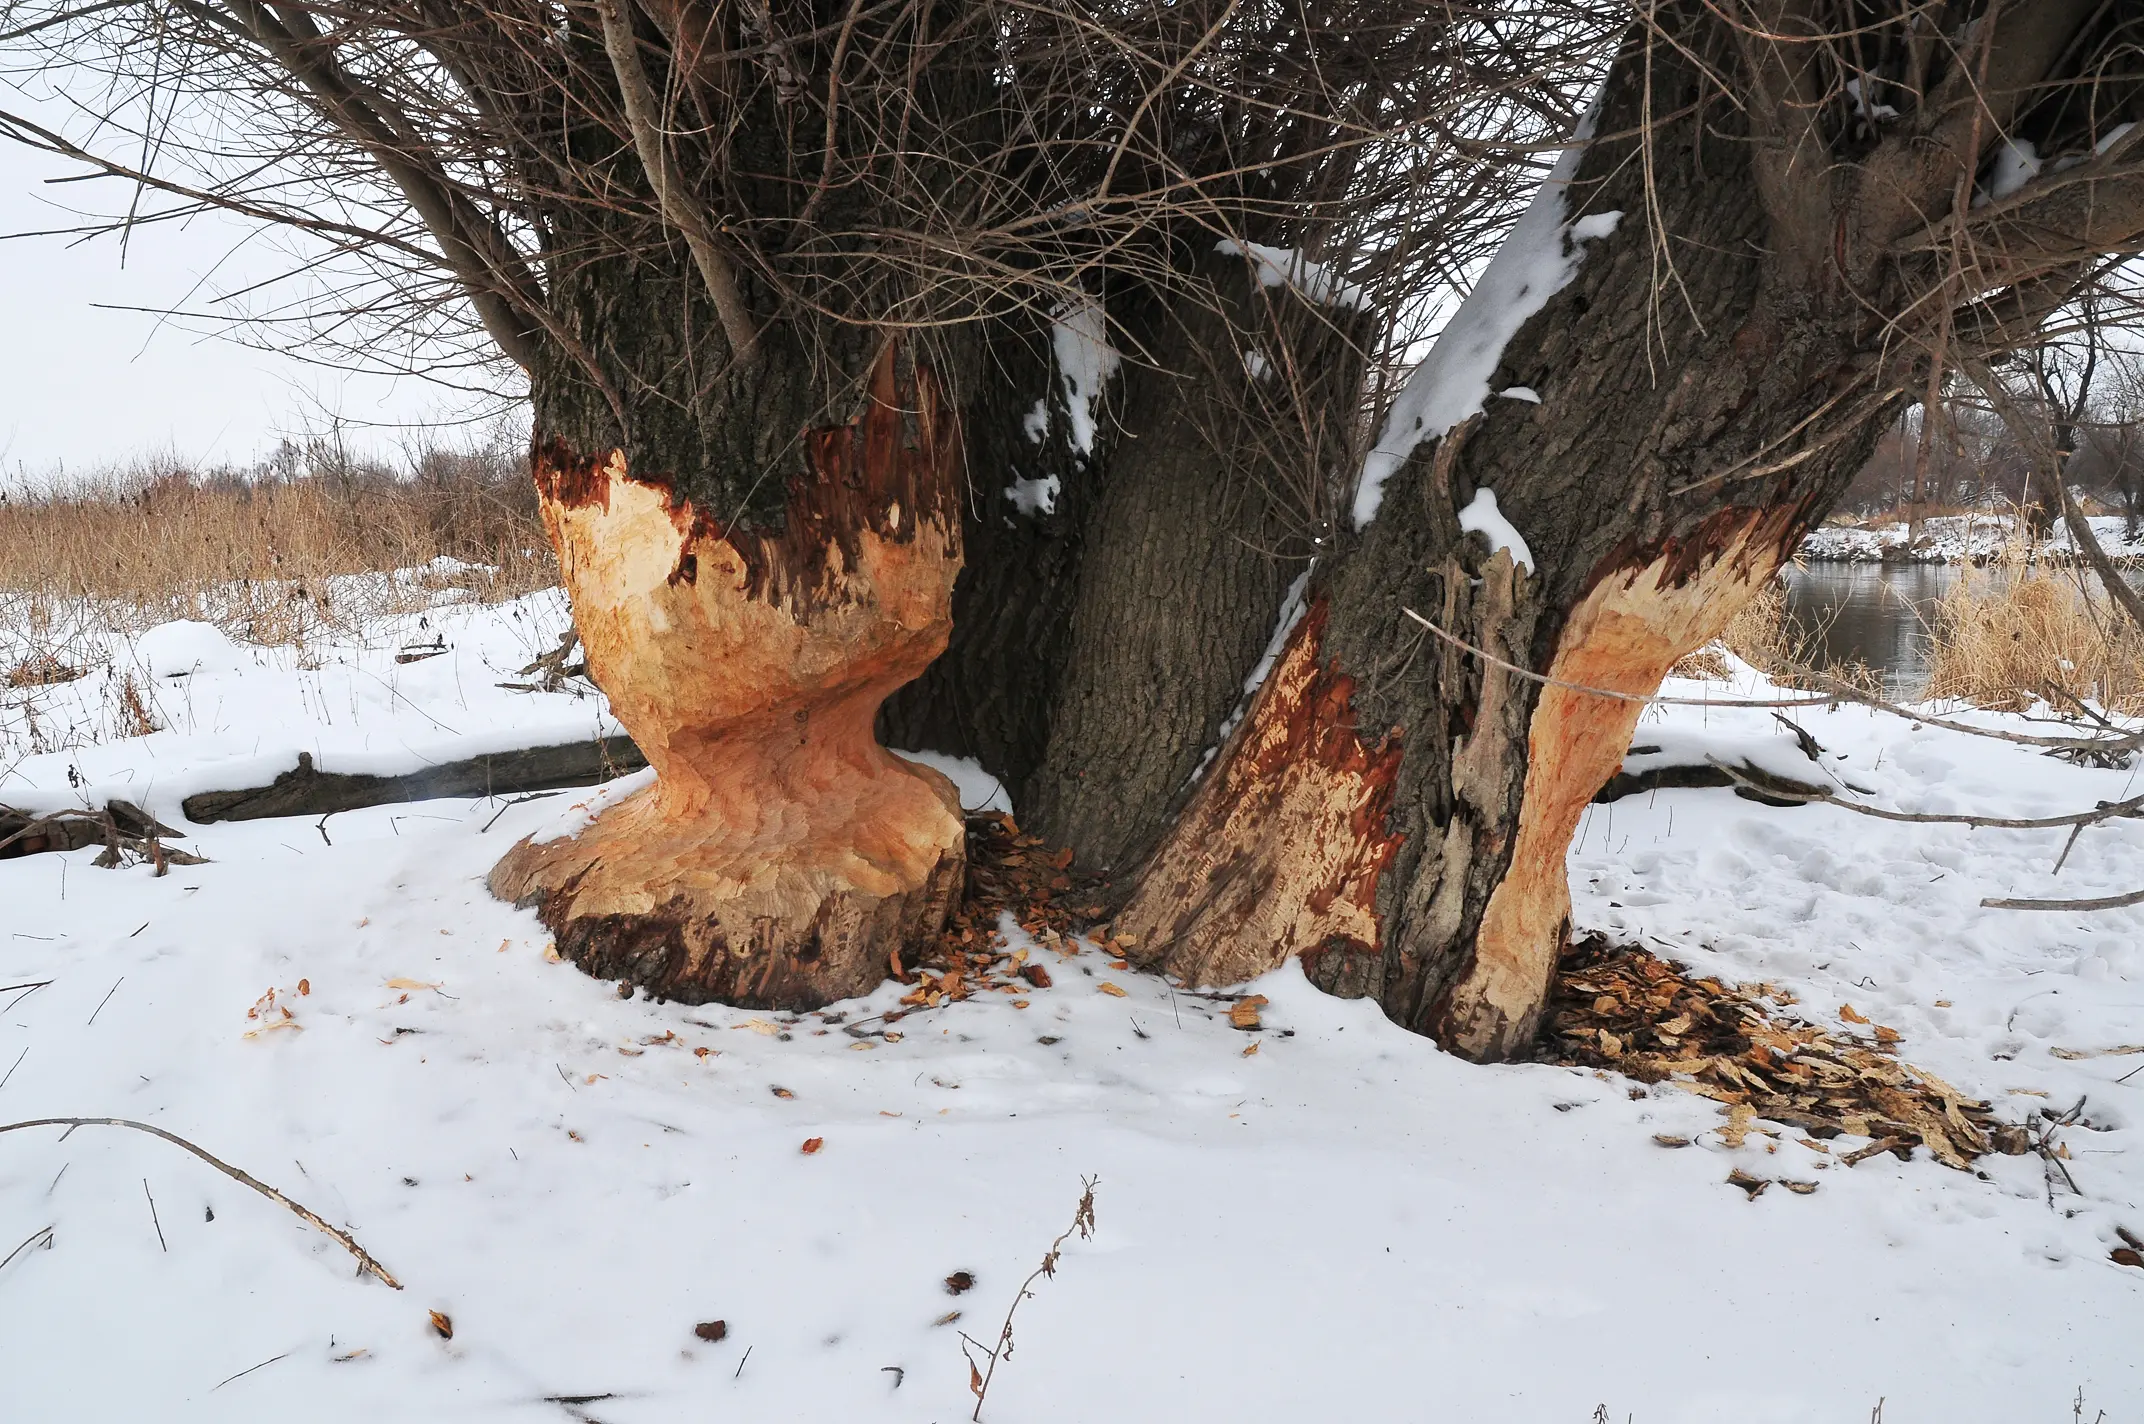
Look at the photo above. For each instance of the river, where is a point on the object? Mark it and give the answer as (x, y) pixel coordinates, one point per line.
(1878, 614)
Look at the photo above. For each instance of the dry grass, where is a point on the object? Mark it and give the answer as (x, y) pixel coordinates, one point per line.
(266, 554)
(2016, 635)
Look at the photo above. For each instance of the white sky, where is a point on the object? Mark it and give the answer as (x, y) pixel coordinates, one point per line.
(81, 386)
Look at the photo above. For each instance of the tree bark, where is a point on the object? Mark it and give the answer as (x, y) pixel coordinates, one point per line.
(993, 693)
(1101, 646)
(1397, 810)
(783, 855)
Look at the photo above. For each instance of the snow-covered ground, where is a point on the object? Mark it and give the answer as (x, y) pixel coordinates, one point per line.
(1961, 538)
(1325, 1219)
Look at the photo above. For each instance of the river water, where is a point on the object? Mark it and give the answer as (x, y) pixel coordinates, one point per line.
(1878, 614)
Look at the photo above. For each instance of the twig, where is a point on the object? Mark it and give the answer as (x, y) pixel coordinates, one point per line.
(28, 1242)
(1797, 791)
(517, 801)
(16, 1064)
(264, 1364)
(364, 1258)
(107, 998)
(740, 1363)
(2104, 902)
(1083, 1223)
(153, 1219)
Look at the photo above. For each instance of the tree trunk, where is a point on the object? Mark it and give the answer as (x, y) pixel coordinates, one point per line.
(782, 855)
(1101, 645)
(1396, 808)
(992, 694)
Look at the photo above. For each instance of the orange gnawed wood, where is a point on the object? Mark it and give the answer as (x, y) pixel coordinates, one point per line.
(1629, 629)
(1281, 849)
(782, 852)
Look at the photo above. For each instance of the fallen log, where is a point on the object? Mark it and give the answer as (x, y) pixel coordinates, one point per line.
(309, 791)
(1661, 778)
(122, 828)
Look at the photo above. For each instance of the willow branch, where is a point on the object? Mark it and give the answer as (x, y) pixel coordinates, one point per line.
(643, 116)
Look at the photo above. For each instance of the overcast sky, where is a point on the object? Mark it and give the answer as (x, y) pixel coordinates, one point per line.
(82, 386)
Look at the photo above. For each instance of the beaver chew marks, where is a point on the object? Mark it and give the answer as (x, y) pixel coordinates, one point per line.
(782, 853)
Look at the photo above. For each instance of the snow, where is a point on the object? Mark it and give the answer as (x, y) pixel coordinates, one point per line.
(1521, 393)
(1536, 261)
(1481, 516)
(1079, 338)
(1286, 267)
(1856, 91)
(1310, 1232)
(1961, 538)
(1079, 343)
(2017, 163)
(1033, 497)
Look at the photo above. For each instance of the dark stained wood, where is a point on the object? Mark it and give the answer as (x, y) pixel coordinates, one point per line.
(308, 791)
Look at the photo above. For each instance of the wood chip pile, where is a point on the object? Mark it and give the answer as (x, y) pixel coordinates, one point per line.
(1009, 872)
(1617, 1007)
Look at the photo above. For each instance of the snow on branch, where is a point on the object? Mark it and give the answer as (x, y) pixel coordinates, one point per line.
(1286, 267)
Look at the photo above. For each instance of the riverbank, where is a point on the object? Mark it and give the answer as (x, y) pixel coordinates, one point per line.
(702, 1206)
(1961, 539)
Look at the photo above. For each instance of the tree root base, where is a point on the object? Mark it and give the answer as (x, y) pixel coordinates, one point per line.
(682, 912)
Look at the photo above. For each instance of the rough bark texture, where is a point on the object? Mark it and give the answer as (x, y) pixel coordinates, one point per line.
(1100, 648)
(1186, 561)
(1397, 810)
(783, 855)
(993, 693)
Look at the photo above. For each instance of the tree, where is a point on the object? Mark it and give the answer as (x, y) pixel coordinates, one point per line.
(785, 282)
(1782, 220)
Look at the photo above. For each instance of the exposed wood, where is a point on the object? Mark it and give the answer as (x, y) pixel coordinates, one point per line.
(1282, 848)
(308, 791)
(783, 855)
(1624, 636)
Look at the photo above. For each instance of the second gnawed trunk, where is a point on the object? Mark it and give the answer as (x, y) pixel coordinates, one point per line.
(1587, 480)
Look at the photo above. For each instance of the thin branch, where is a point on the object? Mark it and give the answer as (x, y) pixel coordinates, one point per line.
(1797, 791)
(2106, 902)
(364, 1258)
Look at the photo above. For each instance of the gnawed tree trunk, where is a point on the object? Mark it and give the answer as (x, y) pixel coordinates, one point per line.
(1397, 808)
(782, 856)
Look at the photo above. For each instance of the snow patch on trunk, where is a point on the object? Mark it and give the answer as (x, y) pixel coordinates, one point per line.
(1537, 261)
(2016, 164)
(1079, 343)
(1484, 518)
